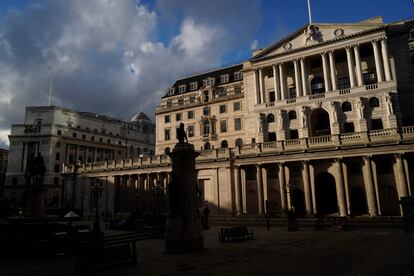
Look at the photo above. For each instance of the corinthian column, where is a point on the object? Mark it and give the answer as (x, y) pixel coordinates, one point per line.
(340, 189)
(325, 72)
(238, 190)
(259, 181)
(282, 82)
(307, 187)
(385, 58)
(304, 77)
(276, 82)
(378, 63)
(400, 177)
(369, 186)
(256, 87)
(262, 92)
(333, 71)
(358, 65)
(297, 78)
(350, 66)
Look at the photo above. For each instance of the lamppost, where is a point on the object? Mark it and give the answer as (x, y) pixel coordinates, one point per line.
(292, 223)
(97, 187)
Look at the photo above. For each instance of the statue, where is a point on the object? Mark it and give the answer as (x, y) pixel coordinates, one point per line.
(312, 34)
(281, 120)
(390, 109)
(181, 135)
(334, 113)
(360, 107)
(304, 119)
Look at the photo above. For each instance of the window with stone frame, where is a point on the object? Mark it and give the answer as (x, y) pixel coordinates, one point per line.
(292, 92)
(178, 117)
(190, 131)
(237, 106)
(223, 126)
(167, 119)
(272, 96)
(369, 78)
(237, 124)
(181, 88)
(294, 134)
(376, 124)
(344, 83)
(167, 134)
(193, 86)
(190, 114)
(292, 115)
(237, 76)
(346, 106)
(224, 78)
(206, 110)
(223, 108)
(349, 127)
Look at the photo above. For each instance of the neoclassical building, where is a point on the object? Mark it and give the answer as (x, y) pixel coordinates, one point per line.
(319, 122)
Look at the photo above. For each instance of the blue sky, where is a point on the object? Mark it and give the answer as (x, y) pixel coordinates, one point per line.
(107, 56)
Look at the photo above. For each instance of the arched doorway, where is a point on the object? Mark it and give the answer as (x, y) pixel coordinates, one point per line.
(326, 200)
(298, 202)
(320, 124)
(224, 144)
(358, 202)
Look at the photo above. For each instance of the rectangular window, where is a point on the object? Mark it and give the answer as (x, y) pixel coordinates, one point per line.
(100, 139)
(271, 136)
(193, 86)
(376, 124)
(369, 78)
(167, 119)
(206, 110)
(190, 114)
(57, 168)
(237, 106)
(167, 134)
(292, 92)
(92, 138)
(58, 144)
(237, 124)
(57, 157)
(294, 134)
(59, 132)
(223, 108)
(349, 127)
(171, 91)
(190, 131)
(205, 96)
(237, 90)
(237, 76)
(108, 141)
(272, 97)
(83, 136)
(178, 117)
(56, 180)
(224, 78)
(223, 126)
(343, 83)
(181, 88)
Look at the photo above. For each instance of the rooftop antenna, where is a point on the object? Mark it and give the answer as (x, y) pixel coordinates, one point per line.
(50, 90)
(140, 107)
(310, 12)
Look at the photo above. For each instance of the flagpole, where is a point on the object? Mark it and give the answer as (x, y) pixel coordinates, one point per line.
(310, 13)
(50, 90)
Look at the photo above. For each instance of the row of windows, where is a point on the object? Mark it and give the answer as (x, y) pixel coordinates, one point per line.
(83, 136)
(207, 128)
(206, 82)
(206, 112)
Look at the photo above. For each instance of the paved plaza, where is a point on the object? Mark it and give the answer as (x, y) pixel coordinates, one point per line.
(275, 252)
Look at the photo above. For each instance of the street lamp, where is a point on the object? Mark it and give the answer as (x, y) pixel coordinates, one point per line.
(97, 187)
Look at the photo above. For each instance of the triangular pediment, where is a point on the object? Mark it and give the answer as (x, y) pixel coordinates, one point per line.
(314, 34)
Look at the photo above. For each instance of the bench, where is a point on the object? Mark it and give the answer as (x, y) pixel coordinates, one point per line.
(236, 233)
(112, 250)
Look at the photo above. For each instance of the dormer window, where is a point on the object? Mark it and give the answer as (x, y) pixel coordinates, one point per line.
(181, 88)
(171, 91)
(209, 81)
(193, 86)
(224, 78)
(237, 76)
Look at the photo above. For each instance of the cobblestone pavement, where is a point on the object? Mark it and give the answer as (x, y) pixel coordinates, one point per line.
(275, 252)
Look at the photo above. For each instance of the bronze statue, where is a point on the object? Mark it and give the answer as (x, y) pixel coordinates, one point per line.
(181, 135)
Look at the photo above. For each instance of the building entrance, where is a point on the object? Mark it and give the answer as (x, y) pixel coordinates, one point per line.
(326, 200)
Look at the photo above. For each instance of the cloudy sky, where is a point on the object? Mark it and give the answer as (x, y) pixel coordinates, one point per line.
(114, 56)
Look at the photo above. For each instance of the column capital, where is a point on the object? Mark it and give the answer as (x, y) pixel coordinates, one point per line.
(295, 60)
(324, 53)
(367, 157)
(375, 40)
(330, 51)
(338, 159)
(399, 155)
(305, 162)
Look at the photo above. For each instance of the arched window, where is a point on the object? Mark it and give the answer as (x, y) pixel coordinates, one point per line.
(167, 150)
(317, 85)
(239, 142)
(373, 102)
(206, 127)
(224, 144)
(292, 115)
(346, 106)
(207, 146)
(270, 118)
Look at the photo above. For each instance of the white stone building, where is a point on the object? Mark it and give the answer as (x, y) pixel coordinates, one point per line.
(66, 136)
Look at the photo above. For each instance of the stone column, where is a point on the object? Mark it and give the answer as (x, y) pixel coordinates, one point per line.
(265, 185)
(304, 77)
(333, 70)
(276, 82)
(259, 182)
(244, 195)
(262, 89)
(307, 187)
(325, 72)
(238, 190)
(369, 187)
(346, 184)
(385, 58)
(282, 185)
(350, 66)
(340, 192)
(378, 62)
(358, 65)
(256, 87)
(312, 183)
(282, 82)
(407, 169)
(400, 176)
(298, 82)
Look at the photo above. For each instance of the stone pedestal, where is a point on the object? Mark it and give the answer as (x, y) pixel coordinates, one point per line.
(183, 232)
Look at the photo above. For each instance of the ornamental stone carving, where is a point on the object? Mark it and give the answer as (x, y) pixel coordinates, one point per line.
(388, 100)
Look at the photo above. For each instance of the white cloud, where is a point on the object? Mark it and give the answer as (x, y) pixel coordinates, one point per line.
(253, 45)
(4, 139)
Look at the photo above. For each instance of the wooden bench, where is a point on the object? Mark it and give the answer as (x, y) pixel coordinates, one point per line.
(112, 250)
(236, 233)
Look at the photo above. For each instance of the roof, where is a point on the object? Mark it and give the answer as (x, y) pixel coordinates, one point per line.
(209, 74)
(139, 117)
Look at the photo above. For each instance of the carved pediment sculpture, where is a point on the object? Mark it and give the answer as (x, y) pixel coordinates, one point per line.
(312, 35)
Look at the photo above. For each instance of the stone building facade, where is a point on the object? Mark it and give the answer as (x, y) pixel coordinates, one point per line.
(61, 136)
(3, 169)
(326, 127)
